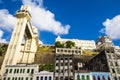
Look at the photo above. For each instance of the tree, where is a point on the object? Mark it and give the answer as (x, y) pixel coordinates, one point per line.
(59, 45)
(70, 44)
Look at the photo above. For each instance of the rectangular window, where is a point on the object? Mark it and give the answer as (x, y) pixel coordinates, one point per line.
(23, 70)
(22, 78)
(6, 71)
(28, 70)
(20, 70)
(16, 78)
(26, 78)
(10, 70)
(13, 78)
(8, 78)
(17, 70)
(32, 71)
(4, 78)
(31, 78)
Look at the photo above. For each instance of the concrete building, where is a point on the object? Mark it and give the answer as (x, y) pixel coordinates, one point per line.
(43, 75)
(23, 30)
(63, 67)
(104, 42)
(69, 51)
(92, 76)
(83, 44)
(20, 72)
(105, 61)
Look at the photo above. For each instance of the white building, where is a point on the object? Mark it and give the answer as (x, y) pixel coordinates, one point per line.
(83, 44)
(43, 75)
(92, 76)
(20, 72)
(68, 51)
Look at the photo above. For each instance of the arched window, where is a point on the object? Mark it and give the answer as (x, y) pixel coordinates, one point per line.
(103, 78)
(88, 77)
(98, 77)
(94, 78)
(83, 77)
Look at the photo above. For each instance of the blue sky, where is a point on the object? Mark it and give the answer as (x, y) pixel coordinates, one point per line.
(81, 19)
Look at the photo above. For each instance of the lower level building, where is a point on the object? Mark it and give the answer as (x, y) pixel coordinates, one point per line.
(92, 76)
(20, 72)
(43, 75)
(63, 67)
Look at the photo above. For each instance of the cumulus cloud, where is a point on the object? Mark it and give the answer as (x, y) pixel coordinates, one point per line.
(1, 39)
(112, 27)
(7, 21)
(44, 19)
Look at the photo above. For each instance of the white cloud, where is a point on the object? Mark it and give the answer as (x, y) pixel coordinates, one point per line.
(40, 42)
(7, 20)
(112, 27)
(1, 39)
(44, 20)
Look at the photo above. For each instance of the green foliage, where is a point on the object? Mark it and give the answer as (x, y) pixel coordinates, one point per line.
(3, 49)
(46, 67)
(70, 44)
(59, 45)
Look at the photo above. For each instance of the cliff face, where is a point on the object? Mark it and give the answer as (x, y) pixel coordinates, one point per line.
(45, 55)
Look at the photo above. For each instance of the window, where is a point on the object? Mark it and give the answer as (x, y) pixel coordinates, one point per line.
(83, 77)
(103, 78)
(8, 78)
(28, 70)
(56, 58)
(31, 78)
(111, 63)
(15, 71)
(23, 70)
(88, 77)
(98, 77)
(22, 78)
(4, 78)
(116, 64)
(26, 78)
(56, 64)
(94, 78)
(46, 78)
(16, 78)
(108, 77)
(6, 71)
(19, 78)
(78, 77)
(13, 78)
(50, 78)
(41, 78)
(20, 70)
(118, 70)
(113, 71)
(10, 70)
(37, 78)
(32, 71)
